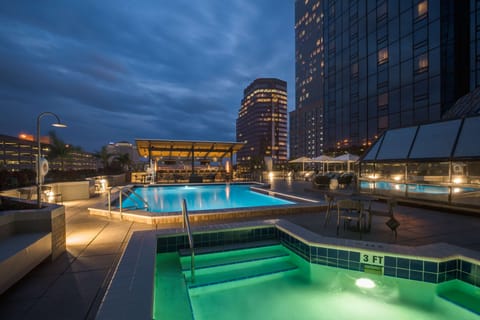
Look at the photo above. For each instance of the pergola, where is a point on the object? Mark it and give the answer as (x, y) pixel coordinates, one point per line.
(187, 150)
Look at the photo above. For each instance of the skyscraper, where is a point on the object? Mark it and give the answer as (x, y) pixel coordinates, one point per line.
(365, 66)
(262, 123)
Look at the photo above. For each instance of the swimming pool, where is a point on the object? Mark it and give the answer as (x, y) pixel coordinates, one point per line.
(201, 197)
(272, 282)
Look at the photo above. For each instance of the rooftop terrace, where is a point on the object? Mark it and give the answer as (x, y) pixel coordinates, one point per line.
(72, 287)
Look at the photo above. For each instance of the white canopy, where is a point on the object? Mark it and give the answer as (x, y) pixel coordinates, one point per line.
(301, 160)
(348, 158)
(322, 158)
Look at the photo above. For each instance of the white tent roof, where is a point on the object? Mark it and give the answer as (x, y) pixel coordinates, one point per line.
(301, 160)
(322, 158)
(347, 157)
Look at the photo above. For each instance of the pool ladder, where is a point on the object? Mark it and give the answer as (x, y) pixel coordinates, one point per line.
(123, 191)
(186, 223)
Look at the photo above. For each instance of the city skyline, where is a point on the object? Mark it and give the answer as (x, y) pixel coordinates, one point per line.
(116, 72)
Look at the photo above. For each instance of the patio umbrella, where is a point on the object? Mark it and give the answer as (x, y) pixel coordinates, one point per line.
(301, 160)
(322, 159)
(348, 158)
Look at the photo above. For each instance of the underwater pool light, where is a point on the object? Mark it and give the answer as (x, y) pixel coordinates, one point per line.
(365, 283)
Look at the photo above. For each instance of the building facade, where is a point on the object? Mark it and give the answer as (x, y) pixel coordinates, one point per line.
(18, 154)
(366, 66)
(262, 123)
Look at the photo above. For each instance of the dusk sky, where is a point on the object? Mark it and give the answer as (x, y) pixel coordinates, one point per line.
(118, 70)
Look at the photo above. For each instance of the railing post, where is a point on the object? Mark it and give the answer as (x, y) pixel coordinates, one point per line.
(186, 222)
(120, 204)
(109, 199)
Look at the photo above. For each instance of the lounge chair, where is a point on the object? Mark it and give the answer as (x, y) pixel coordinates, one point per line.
(321, 182)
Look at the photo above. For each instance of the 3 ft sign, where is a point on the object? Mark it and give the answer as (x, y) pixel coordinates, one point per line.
(368, 258)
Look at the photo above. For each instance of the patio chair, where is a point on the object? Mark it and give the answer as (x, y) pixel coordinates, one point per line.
(330, 200)
(350, 210)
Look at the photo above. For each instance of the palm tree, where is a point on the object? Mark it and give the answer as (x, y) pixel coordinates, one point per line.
(124, 161)
(59, 149)
(105, 157)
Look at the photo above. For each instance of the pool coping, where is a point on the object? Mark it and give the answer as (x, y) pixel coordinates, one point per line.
(131, 290)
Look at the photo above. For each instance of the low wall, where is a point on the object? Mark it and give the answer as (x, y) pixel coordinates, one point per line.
(50, 218)
(74, 190)
(71, 190)
(27, 237)
(116, 180)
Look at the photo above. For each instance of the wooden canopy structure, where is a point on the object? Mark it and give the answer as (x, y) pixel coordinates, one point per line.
(184, 149)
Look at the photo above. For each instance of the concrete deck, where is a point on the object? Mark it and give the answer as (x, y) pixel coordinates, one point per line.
(72, 287)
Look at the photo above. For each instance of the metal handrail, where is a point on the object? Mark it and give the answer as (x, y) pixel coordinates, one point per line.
(186, 223)
(121, 191)
(137, 195)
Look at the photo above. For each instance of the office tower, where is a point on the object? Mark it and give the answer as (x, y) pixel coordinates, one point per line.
(262, 123)
(365, 66)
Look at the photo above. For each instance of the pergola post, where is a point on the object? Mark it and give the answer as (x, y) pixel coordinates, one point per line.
(231, 165)
(149, 152)
(193, 159)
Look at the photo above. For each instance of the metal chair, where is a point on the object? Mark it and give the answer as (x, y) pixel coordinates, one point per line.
(350, 210)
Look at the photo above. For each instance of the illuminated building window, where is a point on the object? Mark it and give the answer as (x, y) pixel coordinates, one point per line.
(383, 55)
(421, 63)
(422, 9)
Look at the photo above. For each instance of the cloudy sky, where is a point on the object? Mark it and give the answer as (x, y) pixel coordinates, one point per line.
(119, 70)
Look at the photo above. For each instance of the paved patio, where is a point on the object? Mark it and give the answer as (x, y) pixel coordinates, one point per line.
(72, 287)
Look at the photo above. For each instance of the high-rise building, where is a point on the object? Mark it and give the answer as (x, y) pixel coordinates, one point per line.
(262, 123)
(365, 66)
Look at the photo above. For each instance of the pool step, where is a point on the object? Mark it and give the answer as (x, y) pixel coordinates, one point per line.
(231, 257)
(215, 271)
(229, 247)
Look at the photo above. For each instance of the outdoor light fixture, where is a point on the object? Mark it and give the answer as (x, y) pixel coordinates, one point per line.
(43, 164)
(457, 180)
(365, 283)
(397, 178)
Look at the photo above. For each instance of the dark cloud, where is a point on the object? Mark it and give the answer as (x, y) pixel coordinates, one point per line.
(118, 70)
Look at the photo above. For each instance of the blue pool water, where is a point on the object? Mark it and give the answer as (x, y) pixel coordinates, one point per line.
(201, 197)
(413, 188)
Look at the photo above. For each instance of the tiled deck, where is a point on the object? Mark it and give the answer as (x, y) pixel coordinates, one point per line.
(72, 287)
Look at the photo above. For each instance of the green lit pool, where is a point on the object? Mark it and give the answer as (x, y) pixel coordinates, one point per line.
(274, 283)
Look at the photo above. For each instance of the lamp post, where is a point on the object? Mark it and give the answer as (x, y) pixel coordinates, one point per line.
(59, 124)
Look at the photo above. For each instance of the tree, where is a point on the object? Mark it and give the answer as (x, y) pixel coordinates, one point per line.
(124, 161)
(60, 150)
(105, 157)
